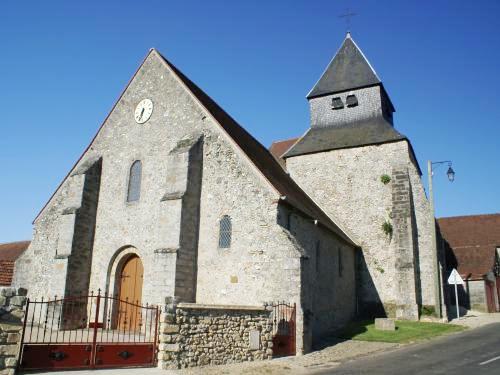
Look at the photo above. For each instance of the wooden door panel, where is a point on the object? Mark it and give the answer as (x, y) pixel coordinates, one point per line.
(129, 315)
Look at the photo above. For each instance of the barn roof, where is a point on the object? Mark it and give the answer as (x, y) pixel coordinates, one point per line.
(278, 148)
(471, 243)
(12, 250)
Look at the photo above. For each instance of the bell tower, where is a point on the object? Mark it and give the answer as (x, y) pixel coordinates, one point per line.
(364, 174)
(349, 106)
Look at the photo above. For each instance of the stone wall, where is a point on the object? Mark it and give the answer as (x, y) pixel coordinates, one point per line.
(328, 279)
(475, 295)
(193, 174)
(83, 233)
(197, 335)
(12, 303)
(406, 250)
(347, 185)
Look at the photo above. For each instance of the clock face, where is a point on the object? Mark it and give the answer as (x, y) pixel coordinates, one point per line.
(143, 111)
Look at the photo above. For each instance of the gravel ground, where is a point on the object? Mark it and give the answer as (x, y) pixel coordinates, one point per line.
(331, 356)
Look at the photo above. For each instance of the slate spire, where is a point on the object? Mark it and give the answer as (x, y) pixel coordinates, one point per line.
(349, 69)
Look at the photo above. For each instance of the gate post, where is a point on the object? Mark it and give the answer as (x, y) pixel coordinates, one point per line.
(96, 321)
(24, 329)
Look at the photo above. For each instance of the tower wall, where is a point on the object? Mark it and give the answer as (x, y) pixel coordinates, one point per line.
(347, 185)
(372, 101)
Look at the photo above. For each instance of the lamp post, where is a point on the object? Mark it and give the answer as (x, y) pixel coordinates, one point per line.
(451, 177)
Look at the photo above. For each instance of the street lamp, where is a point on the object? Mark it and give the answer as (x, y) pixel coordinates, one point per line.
(451, 177)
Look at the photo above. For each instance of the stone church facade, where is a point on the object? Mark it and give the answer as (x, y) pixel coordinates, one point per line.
(210, 216)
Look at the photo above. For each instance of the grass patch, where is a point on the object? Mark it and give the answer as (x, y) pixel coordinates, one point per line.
(406, 331)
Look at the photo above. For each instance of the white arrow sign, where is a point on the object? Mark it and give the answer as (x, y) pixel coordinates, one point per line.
(455, 278)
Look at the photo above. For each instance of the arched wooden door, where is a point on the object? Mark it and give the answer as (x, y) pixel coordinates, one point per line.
(129, 313)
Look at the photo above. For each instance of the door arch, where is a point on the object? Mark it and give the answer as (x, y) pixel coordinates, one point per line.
(130, 280)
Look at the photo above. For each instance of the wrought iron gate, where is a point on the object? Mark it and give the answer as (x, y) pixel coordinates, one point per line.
(284, 324)
(91, 331)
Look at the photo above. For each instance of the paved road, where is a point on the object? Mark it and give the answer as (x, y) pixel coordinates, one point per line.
(469, 353)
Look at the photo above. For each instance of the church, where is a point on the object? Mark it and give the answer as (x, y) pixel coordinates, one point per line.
(173, 198)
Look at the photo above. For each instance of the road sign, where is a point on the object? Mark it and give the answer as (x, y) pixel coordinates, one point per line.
(455, 278)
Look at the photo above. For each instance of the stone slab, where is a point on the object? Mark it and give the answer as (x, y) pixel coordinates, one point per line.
(384, 324)
(200, 306)
(254, 338)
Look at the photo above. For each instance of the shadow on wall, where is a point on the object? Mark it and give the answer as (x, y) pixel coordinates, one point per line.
(369, 304)
(462, 290)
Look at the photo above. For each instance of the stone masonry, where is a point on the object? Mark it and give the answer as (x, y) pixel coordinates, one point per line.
(12, 302)
(347, 183)
(196, 335)
(193, 173)
(406, 256)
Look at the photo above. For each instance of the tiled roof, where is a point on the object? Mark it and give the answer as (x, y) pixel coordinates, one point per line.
(278, 148)
(471, 243)
(9, 252)
(12, 250)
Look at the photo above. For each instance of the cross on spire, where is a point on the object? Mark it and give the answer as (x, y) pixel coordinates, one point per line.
(347, 16)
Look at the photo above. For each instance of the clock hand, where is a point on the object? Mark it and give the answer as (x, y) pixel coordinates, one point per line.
(142, 112)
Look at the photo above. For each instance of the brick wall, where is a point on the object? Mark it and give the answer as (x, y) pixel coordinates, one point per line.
(6, 272)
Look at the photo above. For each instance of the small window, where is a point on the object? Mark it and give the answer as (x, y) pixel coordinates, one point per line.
(341, 266)
(351, 101)
(225, 232)
(337, 103)
(134, 182)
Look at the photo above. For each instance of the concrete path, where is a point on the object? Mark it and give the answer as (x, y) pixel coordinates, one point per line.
(475, 319)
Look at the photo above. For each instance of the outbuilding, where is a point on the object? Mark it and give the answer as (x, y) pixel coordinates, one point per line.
(472, 245)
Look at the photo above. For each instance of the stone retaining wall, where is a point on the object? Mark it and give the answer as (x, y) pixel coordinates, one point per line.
(12, 302)
(196, 335)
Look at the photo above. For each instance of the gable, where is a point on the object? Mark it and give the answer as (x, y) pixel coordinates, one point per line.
(263, 163)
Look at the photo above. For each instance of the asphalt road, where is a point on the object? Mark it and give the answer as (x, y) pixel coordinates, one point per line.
(473, 352)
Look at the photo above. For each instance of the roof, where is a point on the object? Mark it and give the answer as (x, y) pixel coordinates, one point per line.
(361, 133)
(12, 250)
(278, 148)
(471, 243)
(349, 69)
(9, 252)
(262, 159)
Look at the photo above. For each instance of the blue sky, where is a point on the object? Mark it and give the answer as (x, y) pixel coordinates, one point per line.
(64, 63)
